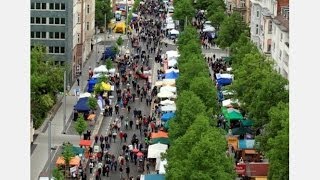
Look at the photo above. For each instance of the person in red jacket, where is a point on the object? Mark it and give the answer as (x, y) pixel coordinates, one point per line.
(121, 135)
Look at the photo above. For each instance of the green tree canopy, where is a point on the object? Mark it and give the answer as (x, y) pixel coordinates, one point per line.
(57, 174)
(103, 9)
(46, 82)
(230, 30)
(92, 103)
(207, 159)
(189, 106)
(183, 9)
(177, 154)
(218, 17)
(119, 41)
(67, 154)
(80, 125)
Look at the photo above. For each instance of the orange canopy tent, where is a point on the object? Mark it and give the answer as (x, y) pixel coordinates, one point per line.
(75, 161)
(85, 142)
(160, 134)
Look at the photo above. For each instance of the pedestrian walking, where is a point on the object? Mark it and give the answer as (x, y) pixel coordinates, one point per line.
(78, 81)
(107, 170)
(91, 167)
(128, 171)
(114, 135)
(125, 137)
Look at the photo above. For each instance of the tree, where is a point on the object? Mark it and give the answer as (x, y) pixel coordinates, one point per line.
(57, 174)
(213, 7)
(218, 17)
(103, 9)
(177, 154)
(188, 34)
(119, 41)
(230, 30)
(182, 10)
(204, 88)
(189, 106)
(46, 82)
(80, 125)
(92, 103)
(67, 154)
(109, 64)
(207, 158)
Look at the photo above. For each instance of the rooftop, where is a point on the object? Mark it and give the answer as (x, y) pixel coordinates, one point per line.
(282, 22)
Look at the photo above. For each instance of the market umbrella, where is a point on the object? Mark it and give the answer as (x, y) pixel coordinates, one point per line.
(247, 122)
(241, 131)
(159, 134)
(165, 94)
(167, 116)
(169, 82)
(168, 88)
(139, 154)
(105, 86)
(135, 150)
(168, 108)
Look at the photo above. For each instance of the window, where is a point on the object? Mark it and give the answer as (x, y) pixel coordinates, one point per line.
(32, 47)
(43, 20)
(270, 27)
(87, 26)
(281, 36)
(50, 49)
(63, 6)
(37, 20)
(78, 38)
(51, 21)
(78, 18)
(56, 63)
(57, 6)
(62, 50)
(269, 48)
(280, 54)
(56, 20)
(257, 29)
(43, 35)
(38, 5)
(32, 5)
(51, 6)
(56, 35)
(32, 34)
(88, 9)
(273, 46)
(62, 35)
(43, 5)
(63, 21)
(56, 49)
(32, 20)
(37, 34)
(258, 13)
(51, 35)
(62, 63)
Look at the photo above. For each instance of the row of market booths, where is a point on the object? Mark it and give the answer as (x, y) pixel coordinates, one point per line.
(167, 93)
(241, 135)
(77, 162)
(82, 105)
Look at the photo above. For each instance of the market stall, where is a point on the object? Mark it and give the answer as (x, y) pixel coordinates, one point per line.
(155, 150)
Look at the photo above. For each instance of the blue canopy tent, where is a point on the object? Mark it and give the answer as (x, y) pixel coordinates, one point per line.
(171, 75)
(82, 105)
(109, 53)
(91, 83)
(224, 81)
(153, 177)
(167, 116)
(246, 144)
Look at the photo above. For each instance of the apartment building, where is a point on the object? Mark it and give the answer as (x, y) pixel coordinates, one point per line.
(65, 28)
(280, 41)
(241, 6)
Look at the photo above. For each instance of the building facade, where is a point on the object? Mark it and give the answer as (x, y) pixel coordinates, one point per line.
(264, 26)
(61, 26)
(241, 6)
(280, 42)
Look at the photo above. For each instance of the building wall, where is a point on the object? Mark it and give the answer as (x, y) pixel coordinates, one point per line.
(89, 30)
(255, 23)
(55, 36)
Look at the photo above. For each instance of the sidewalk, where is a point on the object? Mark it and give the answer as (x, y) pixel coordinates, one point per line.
(39, 156)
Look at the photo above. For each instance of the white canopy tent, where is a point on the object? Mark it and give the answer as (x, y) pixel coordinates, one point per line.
(165, 94)
(172, 69)
(166, 108)
(209, 29)
(155, 150)
(226, 92)
(174, 31)
(228, 102)
(134, 15)
(170, 82)
(172, 54)
(172, 62)
(86, 94)
(168, 88)
(227, 76)
(229, 69)
(160, 166)
(100, 69)
(99, 75)
(112, 70)
(167, 102)
(170, 26)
